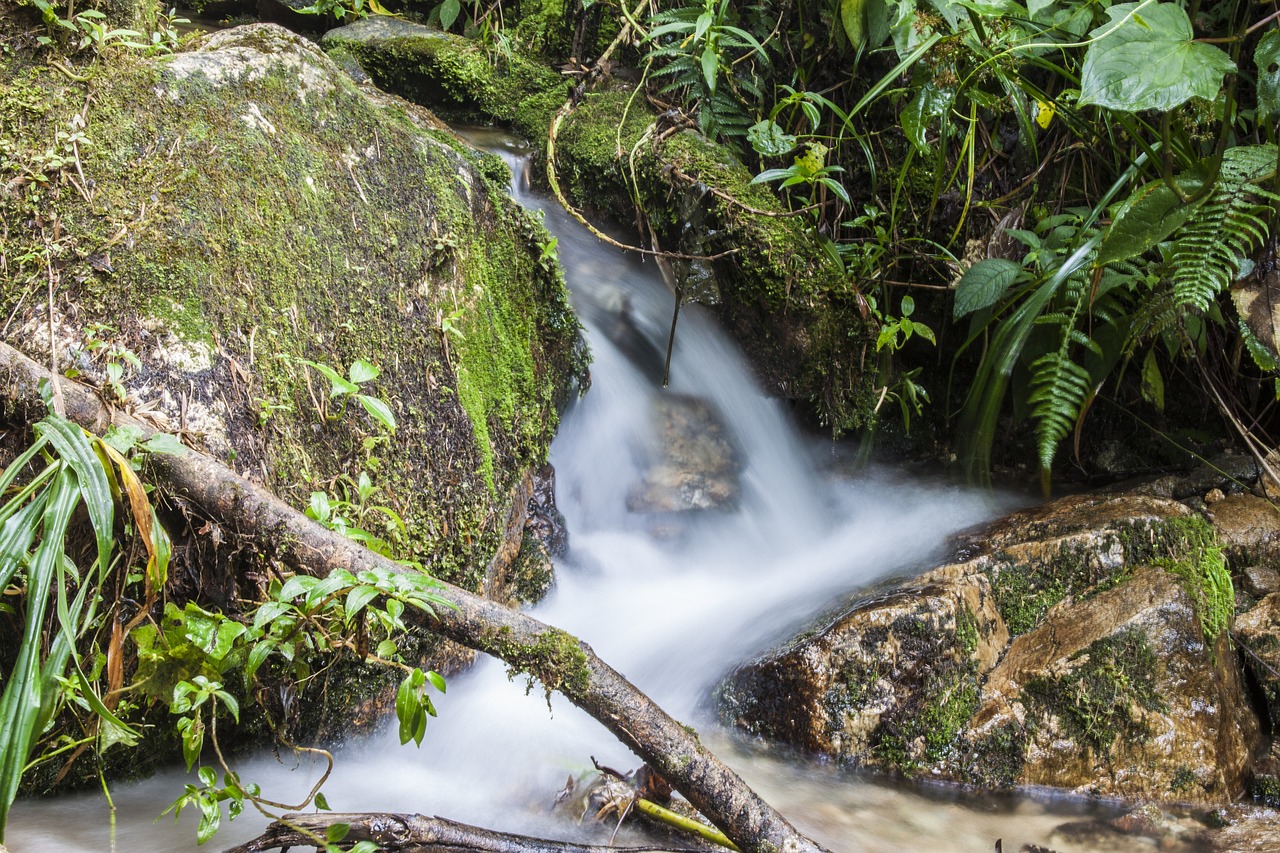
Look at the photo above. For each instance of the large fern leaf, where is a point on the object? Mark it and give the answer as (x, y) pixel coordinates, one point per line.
(1226, 227)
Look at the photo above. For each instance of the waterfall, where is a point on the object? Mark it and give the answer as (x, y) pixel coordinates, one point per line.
(672, 601)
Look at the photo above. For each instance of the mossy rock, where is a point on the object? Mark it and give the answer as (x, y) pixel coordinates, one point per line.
(796, 316)
(1053, 653)
(451, 75)
(244, 206)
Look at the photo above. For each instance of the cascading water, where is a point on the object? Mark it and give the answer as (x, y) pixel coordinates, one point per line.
(672, 605)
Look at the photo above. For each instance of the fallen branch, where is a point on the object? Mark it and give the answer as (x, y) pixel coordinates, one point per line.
(557, 659)
(414, 833)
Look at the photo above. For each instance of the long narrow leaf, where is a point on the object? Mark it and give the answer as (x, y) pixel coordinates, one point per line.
(21, 704)
(16, 537)
(74, 446)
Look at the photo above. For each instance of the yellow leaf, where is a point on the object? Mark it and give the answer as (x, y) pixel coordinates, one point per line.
(1044, 113)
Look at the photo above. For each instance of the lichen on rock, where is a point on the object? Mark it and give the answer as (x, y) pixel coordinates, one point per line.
(1064, 648)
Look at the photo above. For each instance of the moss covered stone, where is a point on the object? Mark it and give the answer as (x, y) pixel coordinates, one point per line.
(455, 76)
(796, 315)
(243, 207)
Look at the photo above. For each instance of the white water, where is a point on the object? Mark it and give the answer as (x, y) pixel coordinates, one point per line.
(672, 607)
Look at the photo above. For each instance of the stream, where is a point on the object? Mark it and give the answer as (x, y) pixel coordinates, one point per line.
(672, 604)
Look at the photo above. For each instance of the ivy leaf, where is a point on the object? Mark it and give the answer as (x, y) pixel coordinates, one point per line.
(1267, 59)
(769, 139)
(379, 411)
(1149, 61)
(983, 284)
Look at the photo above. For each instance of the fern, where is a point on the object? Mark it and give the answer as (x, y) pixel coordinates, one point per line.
(1225, 227)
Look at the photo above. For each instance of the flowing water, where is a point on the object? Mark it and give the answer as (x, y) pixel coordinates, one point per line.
(673, 606)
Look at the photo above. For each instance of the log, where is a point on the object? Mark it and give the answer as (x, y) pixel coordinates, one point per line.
(415, 833)
(556, 658)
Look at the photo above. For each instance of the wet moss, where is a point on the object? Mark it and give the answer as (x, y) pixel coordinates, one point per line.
(1101, 700)
(997, 759)
(556, 660)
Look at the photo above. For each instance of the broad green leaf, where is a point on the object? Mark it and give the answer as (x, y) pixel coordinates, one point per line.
(983, 284)
(76, 450)
(362, 371)
(853, 15)
(928, 109)
(21, 705)
(1148, 217)
(336, 832)
(357, 599)
(257, 657)
(321, 802)
(710, 67)
(449, 11)
(122, 438)
(436, 679)
(769, 139)
(338, 384)
(1148, 60)
(1267, 59)
(364, 847)
(379, 411)
(162, 442)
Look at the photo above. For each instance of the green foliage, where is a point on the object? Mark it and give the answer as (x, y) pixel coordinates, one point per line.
(63, 470)
(701, 55)
(344, 389)
(1233, 219)
(1146, 58)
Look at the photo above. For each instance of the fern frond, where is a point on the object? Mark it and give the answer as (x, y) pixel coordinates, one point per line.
(1058, 390)
(1226, 227)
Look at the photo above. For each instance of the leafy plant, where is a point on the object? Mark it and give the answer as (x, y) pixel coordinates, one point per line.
(705, 58)
(45, 486)
(344, 389)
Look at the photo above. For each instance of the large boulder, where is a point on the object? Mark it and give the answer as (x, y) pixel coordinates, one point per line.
(215, 221)
(1072, 645)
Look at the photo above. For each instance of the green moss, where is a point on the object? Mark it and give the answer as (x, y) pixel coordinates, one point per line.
(1183, 780)
(1266, 789)
(532, 571)
(997, 760)
(556, 659)
(1101, 700)
(455, 76)
(1207, 582)
(1024, 592)
(924, 731)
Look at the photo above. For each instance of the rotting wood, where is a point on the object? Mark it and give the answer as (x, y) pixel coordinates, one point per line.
(559, 660)
(415, 833)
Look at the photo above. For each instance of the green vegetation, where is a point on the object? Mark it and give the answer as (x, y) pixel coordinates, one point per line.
(1102, 699)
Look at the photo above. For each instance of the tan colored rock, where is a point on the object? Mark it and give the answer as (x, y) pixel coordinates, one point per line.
(698, 465)
(1260, 581)
(1249, 527)
(1051, 654)
(1119, 695)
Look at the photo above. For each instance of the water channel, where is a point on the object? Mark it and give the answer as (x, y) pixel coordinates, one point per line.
(673, 606)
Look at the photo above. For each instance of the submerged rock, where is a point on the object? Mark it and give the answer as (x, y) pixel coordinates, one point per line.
(1067, 648)
(697, 466)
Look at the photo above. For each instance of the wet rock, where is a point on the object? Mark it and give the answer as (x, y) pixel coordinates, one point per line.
(1258, 632)
(1051, 654)
(1260, 581)
(1249, 527)
(1220, 473)
(1118, 694)
(1243, 829)
(697, 466)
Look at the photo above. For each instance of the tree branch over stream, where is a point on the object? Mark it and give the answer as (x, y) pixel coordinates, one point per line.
(557, 659)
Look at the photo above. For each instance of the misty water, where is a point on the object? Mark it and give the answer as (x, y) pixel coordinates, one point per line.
(674, 604)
